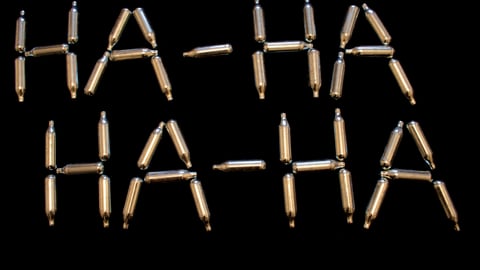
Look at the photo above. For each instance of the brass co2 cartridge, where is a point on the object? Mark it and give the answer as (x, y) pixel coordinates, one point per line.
(375, 202)
(72, 74)
(259, 73)
(341, 149)
(200, 203)
(50, 198)
(20, 82)
(104, 199)
(48, 50)
(179, 142)
(50, 147)
(317, 165)
(285, 140)
(20, 32)
(206, 51)
(241, 165)
(338, 74)
(144, 24)
(314, 71)
(72, 34)
(309, 22)
(421, 142)
(289, 198)
(169, 176)
(96, 75)
(446, 202)
(130, 54)
(348, 25)
(150, 147)
(131, 200)
(162, 77)
(392, 146)
(81, 168)
(346, 192)
(286, 46)
(402, 80)
(118, 27)
(259, 23)
(407, 174)
(377, 25)
(373, 50)
(103, 137)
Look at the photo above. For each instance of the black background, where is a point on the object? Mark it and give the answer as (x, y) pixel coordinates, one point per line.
(221, 117)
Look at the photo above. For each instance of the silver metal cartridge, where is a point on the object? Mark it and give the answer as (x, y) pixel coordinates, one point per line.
(346, 192)
(241, 165)
(393, 174)
(373, 50)
(131, 200)
(51, 147)
(81, 168)
(118, 27)
(150, 147)
(96, 75)
(259, 23)
(377, 25)
(169, 176)
(20, 32)
(212, 50)
(72, 74)
(162, 77)
(341, 149)
(200, 203)
(285, 140)
(179, 142)
(50, 198)
(375, 202)
(20, 82)
(336, 87)
(314, 71)
(317, 165)
(48, 50)
(130, 54)
(421, 142)
(290, 198)
(392, 146)
(402, 80)
(103, 137)
(348, 25)
(259, 73)
(446, 202)
(309, 22)
(144, 25)
(286, 46)
(104, 199)
(72, 33)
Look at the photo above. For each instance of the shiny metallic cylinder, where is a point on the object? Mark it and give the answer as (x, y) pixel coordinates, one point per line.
(317, 165)
(200, 203)
(162, 76)
(130, 54)
(144, 24)
(96, 75)
(104, 199)
(20, 82)
(51, 147)
(285, 140)
(336, 87)
(241, 165)
(346, 192)
(131, 200)
(375, 202)
(348, 25)
(50, 198)
(374, 50)
(341, 149)
(20, 32)
(179, 142)
(259, 73)
(394, 174)
(290, 198)
(206, 51)
(286, 46)
(421, 142)
(103, 137)
(259, 23)
(150, 147)
(309, 22)
(392, 146)
(446, 202)
(118, 27)
(48, 50)
(314, 71)
(72, 74)
(72, 35)
(81, 168)
(377, 24)
(402, 80)
(169, 176)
